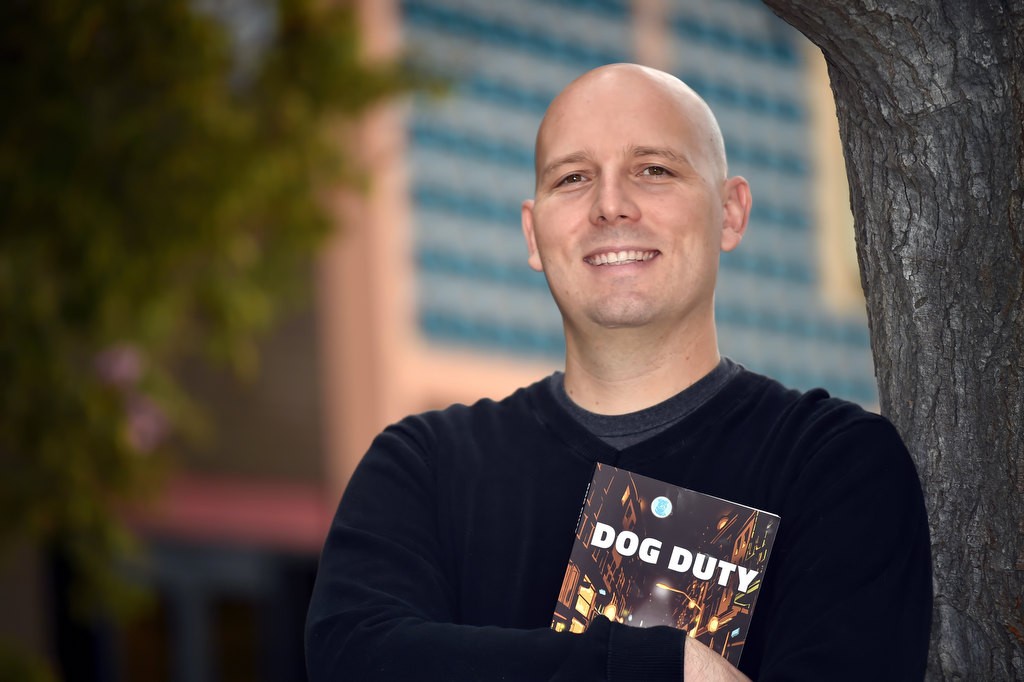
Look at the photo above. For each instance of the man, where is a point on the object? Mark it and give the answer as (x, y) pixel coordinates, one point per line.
(449, 546)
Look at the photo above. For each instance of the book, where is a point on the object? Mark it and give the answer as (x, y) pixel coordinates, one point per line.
(650, 553)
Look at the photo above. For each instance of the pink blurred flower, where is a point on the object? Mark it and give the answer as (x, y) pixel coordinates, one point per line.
(119, 366)
(147, 424)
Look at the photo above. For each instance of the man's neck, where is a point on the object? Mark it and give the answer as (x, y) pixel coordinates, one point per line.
(624, 372)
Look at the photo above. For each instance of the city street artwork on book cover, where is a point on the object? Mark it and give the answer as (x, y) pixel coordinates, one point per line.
(651, 553)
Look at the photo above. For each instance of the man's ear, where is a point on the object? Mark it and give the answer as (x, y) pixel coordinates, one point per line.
(533, 257)
(735, 211)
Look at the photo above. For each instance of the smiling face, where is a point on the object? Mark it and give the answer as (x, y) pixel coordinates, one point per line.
(632, 206)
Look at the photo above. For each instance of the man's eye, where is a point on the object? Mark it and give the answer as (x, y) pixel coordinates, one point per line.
(654, 170)
(571, 179)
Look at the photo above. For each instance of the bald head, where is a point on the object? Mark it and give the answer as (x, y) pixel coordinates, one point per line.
(614, 91)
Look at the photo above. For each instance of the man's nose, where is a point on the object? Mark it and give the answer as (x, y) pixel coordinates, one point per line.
(613, 202)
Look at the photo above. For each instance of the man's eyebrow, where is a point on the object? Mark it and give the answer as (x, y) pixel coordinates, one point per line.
(663, 152)
(575, 157)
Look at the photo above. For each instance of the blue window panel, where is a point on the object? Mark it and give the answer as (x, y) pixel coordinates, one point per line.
(741, 287)
(455, 58)
(614, 9)
(470, 177)
(804, 326)
(490, 299)
(786, 162)
(765, 266)
(490, 335)
(456, 22)
(789, 193)
(482, 208)
(844, 371)
(691, 27)
(511, 77)
(484, 304)
(772, 137)
(756, 102)
(478, 240)
(506, 94)
(598, 28)
(458, 265)
(861, 389)
(790, 218)
(454, 142)
(554, 47)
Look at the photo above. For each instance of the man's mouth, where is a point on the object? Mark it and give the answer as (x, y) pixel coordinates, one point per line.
(620, 257)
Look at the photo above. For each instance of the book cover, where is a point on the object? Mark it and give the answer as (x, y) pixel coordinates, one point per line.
(651, 553)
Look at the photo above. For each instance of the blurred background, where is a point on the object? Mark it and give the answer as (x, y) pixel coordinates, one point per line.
(239, 237)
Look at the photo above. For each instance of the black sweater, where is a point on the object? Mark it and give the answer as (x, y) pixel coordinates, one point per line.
(448, 550)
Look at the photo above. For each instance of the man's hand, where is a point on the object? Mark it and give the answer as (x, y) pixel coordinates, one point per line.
(701, 664)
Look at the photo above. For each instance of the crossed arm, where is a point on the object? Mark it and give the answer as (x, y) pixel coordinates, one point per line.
(398, 598)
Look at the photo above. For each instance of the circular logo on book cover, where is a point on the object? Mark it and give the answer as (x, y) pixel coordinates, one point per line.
(661, 507)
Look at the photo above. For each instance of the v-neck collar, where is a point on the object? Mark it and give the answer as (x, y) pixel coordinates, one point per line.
(669, 443)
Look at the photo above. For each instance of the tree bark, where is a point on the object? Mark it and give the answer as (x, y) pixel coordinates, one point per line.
(930, 99)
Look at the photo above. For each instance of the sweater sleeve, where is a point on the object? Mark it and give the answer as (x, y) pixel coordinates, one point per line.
(384, 606)
(850, 577)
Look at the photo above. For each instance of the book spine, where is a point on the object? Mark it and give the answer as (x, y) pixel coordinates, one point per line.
(583, 504)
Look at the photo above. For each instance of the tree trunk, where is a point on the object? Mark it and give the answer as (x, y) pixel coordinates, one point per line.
(930, 98)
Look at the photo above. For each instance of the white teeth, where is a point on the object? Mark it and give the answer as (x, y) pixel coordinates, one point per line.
(621, 257)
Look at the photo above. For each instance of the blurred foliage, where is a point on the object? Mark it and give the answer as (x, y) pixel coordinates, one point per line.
(15, 666)
(159, 168)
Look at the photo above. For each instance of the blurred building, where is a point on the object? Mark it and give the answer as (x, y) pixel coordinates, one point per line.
(424, 298)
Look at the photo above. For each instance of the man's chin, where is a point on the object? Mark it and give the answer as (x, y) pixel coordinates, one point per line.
(630, 316)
